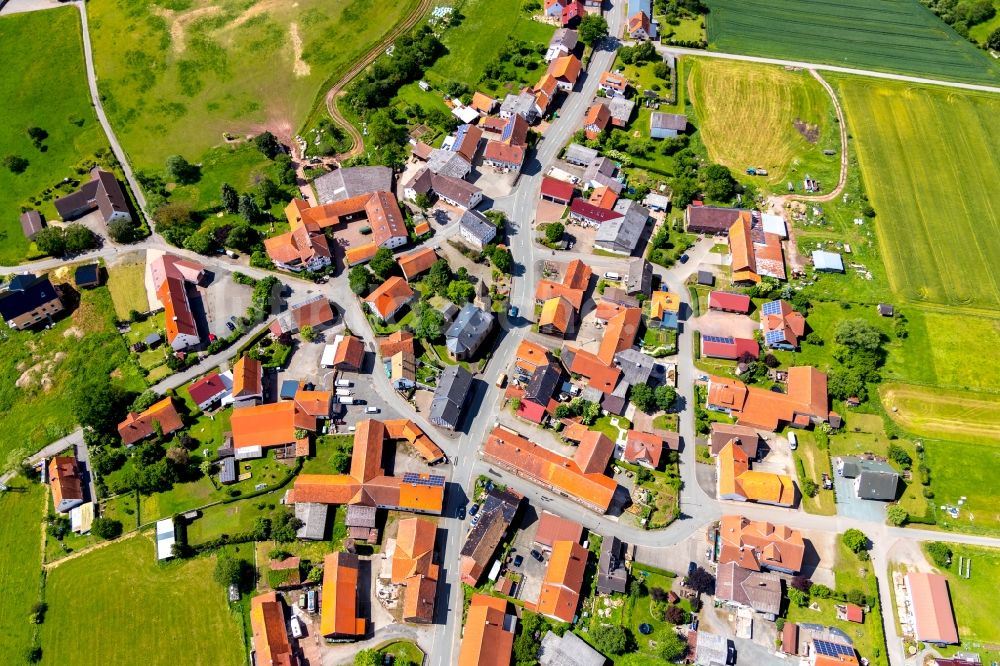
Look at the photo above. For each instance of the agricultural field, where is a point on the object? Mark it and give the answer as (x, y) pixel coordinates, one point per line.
(175, 76)
(117, 588)
(929, 159)
(44, 88)
(753, 115)
(935, 412)
(882, 35)
(21, 511)
(37, 368)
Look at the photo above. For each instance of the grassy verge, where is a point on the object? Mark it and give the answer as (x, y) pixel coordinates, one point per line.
(21, 512)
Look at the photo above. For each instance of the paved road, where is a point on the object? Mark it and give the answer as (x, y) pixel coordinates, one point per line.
(677, 51)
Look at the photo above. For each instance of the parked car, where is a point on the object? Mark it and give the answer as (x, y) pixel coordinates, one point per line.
(231, 326)
(513, 311)
(684, 258)
(371, 410)
(518, 561)
(461, 512)
(501, 380)
(612, 276)
(535, 554)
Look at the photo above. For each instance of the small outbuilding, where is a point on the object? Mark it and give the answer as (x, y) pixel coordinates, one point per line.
(87, 276)
(31, 223)
(886, 310)
(827, 262)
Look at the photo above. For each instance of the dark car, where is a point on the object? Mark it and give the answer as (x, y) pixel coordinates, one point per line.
(535, 554)
(513, 311)
(518, 561)
(683, 259)
(473, 509)
(461, 512)
(730, 653)
(231, 326)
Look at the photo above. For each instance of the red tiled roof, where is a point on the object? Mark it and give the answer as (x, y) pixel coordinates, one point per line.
(552, 528)
(206, 388)
(724, 300)
(589, 211)
(557, 189)
(137, 427)
(933, 617)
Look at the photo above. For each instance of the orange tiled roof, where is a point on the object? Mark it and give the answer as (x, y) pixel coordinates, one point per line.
(741, 247)
(553, 528)
(414, 551)
(577, 275)
(339, 612)
(619, 334)
(421, 228)
(488, 638)
(64, 480)
(303, 243)
(546, 290)
(380, 208)
(400, 341)
(643, 447)
(600, 375)
(176, 309)
(558, 313)
(314, 403)
(597, 116)
(566, 68)
(264, 425)
(390, 296)
(360, 254)
(482, 103)
(530, 355)
(603, 197)
(350, 352)
(594, 452)
(754, 544)
(137, 427)
(366, 460)
(806, 399)
(270, 640)
(549, 468)
(661, 302)
(560, 593)
(324, 489)
(614, 81)
(737, 480)
(416, 262)
(247, 377)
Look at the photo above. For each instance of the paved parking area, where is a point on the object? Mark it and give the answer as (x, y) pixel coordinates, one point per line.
(532, 570)
(223, 298)
(850, 505)
(714, 322)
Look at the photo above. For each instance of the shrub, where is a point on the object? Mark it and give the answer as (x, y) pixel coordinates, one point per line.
(940, 553)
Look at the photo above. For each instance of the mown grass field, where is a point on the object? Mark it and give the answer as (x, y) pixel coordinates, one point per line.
(753, 115)
(935, 412)
(37, 368)
(21, 512)
(175, 76)
(930, 161)
(883, 35)
(126, 282)
(138, 611)
(960, 469)
(44, 88)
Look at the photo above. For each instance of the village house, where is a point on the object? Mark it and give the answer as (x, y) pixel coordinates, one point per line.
(621, 234)
(476, 230)
(620, 109)
(559, 596)
(728, 347)
(171, 275)
(414, 568)
(162, 415)
(305, 247)
(28, 301)
(64, 482)
(613, 84)
(565, 12)
(315, 312)
(712, 220)
(269, 636)
(103, 193)
(450, 397)
(782, 326)
(496, 515)
(563, 43)
(805, 403)
(207, 391)
(596, 121)
(488, 638)
(417, 262)
(664, 309)
(755, 253)
(454, 191)
(742, 588)
(758, 545)
(580, 155)
(468, 332)
(508, 152)
(340, 618)
(389, 298)
(612, 571)
(736, 481)
(565, 70)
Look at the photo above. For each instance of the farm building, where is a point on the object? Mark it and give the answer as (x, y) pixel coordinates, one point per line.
(929, 602)
(31, 223)
(556, 191)
(729, 302)
(712, 220)
(717, 346)
(827, 262)
(165, 539)
(666, 125)
(103, 193)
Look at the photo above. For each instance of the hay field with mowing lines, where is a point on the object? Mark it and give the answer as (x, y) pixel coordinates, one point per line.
(138, 611)
(752, 115)
(931, 161)
(175, 75)
(935, 412)
(899, 36)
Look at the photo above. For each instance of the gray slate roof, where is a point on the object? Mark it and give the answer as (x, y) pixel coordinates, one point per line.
(877, 484)
(578, 154)
(670, 121)
(760, 591)
(564, 37)
(522, 104)
(612, 576)
(469, 330)
(639, 277)
(478, 225)
(448, 163)
(351, 181)
(619, 107)
(568, 650)
(450, 395)
(624, 232)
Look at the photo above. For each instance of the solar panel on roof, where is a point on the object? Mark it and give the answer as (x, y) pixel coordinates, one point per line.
(508, 129)
(772, 337)
(828, 649)
(771, 308)
(415, 479)
(720, 339)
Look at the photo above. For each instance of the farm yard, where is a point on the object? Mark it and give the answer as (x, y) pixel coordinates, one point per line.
(47, 89)
(929, 159)
(21, 512)
(174, 80)
(753, 115)
(141, 607)
(882, 35)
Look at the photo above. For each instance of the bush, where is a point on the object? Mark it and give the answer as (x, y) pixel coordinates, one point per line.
(106, 528)
(899, 455)
(15, 163)
(897, 515)
(611, 639)
(940, 553)
(856, 541)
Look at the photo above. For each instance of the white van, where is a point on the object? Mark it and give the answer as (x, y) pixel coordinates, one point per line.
(344, 383)
(296, 628)
(343, 391)
(793, 441)
(371, 410)
(342, 400)
(612, 276)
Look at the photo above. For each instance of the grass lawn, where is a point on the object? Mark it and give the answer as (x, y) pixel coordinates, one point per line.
(666, 422)
(753, 115)
(174, 80)
(605, 425)
(122, 508)
(112, 586)
(933, 412)
(331, 451)
(882, 35)
(232, 518)
(975, 601)
(126, 281)
(964, 470)
(815, 461)
(404, 650)
(44, 88)
(913, 165)
(37, 369)
(21, 512)
(868, 638)
(632, 611)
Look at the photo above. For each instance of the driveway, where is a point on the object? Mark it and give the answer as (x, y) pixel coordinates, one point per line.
(714, 322)
(223, 298)
(850, 505)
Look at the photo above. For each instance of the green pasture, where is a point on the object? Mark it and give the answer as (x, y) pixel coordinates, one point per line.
(882, 35)
(138, 610)
(974, 600)
(964, 470)
(37, 368)
(175, 77)
(21, 512)
(929, 159)
(46, 88)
